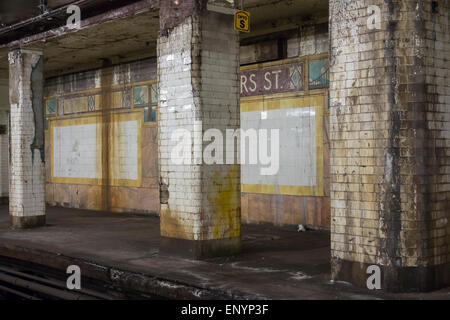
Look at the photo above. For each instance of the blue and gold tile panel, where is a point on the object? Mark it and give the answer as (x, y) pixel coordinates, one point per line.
(91, 103)
(150, 114)
(143, 96)
(146, 96)
(140, 96)
(51, 107)
(318, 74)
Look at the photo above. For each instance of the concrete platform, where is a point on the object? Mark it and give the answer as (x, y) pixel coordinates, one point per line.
(123, 250)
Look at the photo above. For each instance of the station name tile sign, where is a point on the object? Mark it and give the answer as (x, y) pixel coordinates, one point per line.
(271, 80)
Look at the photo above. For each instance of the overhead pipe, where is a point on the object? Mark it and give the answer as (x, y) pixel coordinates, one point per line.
(50, 14)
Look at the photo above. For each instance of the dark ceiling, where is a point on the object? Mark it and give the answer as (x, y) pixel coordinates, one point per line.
(17, 10)
(13, 11)
(20, 18)
(131, 37)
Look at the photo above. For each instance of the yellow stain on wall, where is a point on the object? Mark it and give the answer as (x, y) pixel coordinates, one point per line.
(225, 203)
(172, 226)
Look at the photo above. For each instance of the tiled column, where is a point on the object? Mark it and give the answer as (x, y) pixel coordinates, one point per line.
(198, 63)
(390, 189)
(27, 169)
(4, 140)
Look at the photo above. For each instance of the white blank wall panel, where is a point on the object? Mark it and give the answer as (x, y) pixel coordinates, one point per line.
(297, 148)
(75, 151)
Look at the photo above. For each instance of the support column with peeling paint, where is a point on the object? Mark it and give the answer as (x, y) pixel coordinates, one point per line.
(198, 64)
(27, 168)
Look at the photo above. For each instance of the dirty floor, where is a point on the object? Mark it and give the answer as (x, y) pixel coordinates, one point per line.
(275, 263)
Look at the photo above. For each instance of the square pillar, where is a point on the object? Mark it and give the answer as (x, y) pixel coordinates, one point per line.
(4, 155)
(390, 189)
(27, 168)
(4, 140)
(198, 65)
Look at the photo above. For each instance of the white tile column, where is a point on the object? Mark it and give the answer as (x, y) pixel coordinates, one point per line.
(27, 168)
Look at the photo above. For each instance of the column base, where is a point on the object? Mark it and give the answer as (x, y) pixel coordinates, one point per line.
(200, 249)
(27, 222)
(394, 279)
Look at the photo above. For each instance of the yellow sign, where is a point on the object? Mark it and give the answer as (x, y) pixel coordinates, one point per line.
(242, 20)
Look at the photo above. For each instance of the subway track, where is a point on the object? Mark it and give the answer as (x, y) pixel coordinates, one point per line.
(20, 280)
